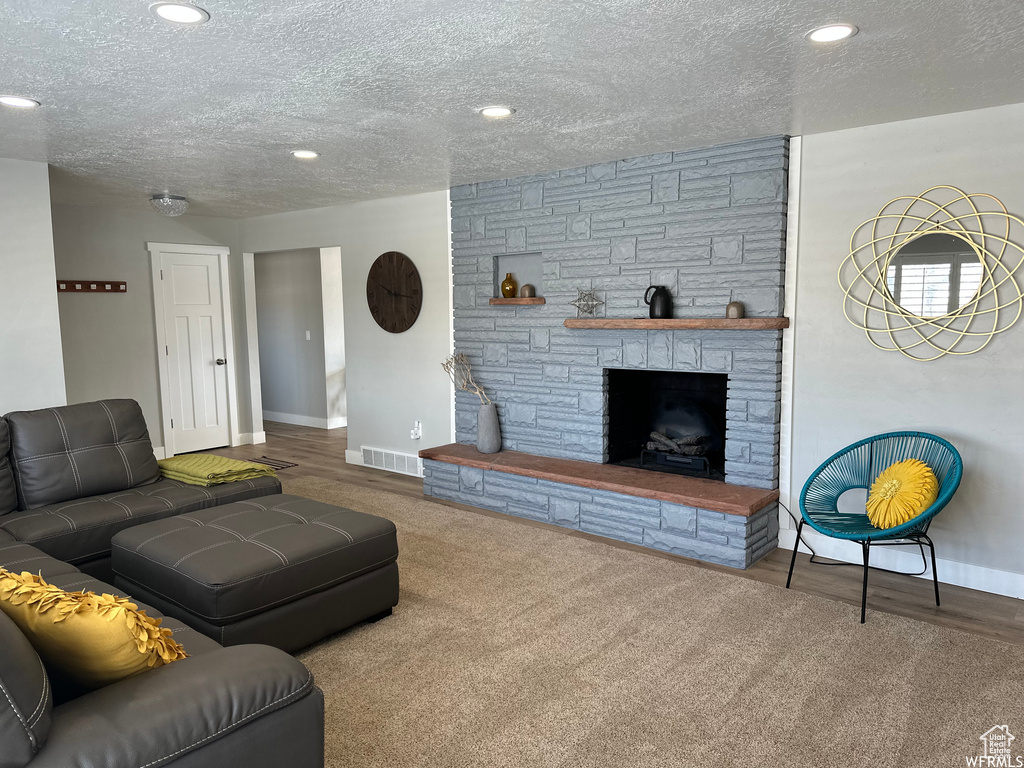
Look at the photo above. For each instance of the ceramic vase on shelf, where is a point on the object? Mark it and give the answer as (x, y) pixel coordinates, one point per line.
(509, 286)
(488, 430)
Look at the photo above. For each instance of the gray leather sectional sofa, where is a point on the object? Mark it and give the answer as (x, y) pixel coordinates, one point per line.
(71, 478)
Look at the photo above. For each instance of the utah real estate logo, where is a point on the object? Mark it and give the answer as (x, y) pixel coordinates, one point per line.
(998, 750)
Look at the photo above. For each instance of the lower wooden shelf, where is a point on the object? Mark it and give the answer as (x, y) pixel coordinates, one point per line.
(517, 302)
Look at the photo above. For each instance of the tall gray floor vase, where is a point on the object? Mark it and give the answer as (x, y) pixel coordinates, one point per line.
(488, 430)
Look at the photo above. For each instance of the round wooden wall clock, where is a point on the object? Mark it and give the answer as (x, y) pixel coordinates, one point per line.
(394, 292)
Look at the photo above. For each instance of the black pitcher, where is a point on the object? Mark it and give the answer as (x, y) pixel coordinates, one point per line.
(660, 302)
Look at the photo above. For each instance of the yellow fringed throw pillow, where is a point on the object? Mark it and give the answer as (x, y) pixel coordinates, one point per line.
(89, 640)
(901, 492)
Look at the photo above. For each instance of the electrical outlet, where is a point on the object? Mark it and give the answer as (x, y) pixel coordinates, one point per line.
(308, 336)
(417, 430)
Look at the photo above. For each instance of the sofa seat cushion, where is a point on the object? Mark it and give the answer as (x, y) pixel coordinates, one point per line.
(79, 450)
(80, 530)
(19, 557)
(245, 558)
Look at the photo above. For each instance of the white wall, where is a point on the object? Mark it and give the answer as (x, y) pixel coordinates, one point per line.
(110, 340)
(289, 304)
(844, 389)
(31, 371)
(392, 379)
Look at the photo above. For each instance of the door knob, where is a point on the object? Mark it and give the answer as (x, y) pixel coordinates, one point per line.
(221, 361)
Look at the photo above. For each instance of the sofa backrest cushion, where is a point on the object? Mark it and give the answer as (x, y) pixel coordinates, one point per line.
(25, 698)
(8, 492)
(80, 450)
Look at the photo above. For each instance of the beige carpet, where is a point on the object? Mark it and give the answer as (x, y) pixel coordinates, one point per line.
(520, 646)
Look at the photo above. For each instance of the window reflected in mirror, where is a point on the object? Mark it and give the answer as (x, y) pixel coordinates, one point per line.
(934, 274)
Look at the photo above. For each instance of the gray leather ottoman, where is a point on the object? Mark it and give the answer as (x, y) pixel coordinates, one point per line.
(279, 570)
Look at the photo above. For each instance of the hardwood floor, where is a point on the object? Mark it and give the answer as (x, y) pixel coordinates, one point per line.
(321, 453)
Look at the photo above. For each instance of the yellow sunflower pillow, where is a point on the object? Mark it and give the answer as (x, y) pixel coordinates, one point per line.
(87, 640)
(901, 492)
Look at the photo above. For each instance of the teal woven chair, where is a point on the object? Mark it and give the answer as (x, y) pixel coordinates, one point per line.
(857, 466)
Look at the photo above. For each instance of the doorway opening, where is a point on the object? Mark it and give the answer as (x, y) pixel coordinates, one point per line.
(295, 322)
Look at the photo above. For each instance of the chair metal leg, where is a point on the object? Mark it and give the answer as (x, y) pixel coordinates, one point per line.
(935, 572)
(796, 546)
(866, 546)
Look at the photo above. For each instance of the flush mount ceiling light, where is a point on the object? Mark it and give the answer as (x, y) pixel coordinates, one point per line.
(169, 205)
(305, 154)
(180, 13)
(831, 33)
(18, 101)
(497, 111)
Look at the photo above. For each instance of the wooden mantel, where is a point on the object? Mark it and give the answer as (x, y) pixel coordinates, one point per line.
(681, 323)
(677, 489)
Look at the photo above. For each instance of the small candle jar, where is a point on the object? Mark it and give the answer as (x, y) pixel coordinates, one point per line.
(734, 310)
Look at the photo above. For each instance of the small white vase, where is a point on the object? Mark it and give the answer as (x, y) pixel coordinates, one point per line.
(488, 430)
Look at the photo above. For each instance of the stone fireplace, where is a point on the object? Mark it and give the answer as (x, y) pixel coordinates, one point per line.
(708, 224)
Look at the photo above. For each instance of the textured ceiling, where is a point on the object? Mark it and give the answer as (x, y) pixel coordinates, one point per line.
(386, 89)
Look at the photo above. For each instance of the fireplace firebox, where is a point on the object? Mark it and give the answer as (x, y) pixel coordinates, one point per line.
(667, 421)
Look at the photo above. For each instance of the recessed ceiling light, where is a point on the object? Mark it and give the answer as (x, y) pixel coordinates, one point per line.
(18, 101)
(831, 33)
(496, 111)
(180, 13)
(305, 154)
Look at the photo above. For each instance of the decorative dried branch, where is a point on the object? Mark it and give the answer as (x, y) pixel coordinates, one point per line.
(458, 369)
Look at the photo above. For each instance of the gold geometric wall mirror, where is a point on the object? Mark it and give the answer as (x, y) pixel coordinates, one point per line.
(935, 274)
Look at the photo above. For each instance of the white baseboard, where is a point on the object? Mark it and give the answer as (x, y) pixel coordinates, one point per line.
(248, 438)
(354, 457)
(305, 421)
(159, 452)
(907, 559)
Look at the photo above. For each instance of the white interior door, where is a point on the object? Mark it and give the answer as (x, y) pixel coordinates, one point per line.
(195, 344)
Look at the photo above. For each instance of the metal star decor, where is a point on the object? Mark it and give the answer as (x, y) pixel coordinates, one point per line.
(586, 303)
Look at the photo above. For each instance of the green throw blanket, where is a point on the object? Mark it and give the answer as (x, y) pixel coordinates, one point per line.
(207, 469)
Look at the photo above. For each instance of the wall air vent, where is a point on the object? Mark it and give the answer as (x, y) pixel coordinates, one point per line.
(392, 461)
